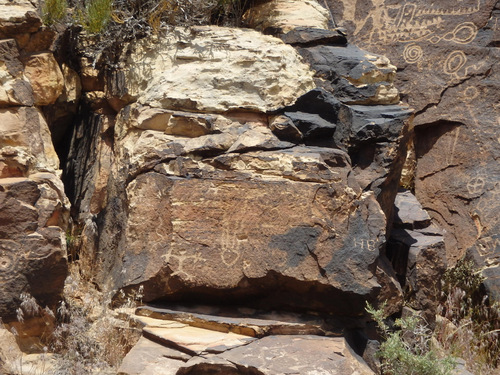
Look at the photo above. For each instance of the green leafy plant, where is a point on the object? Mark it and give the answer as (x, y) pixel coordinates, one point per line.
(406, 349)
(54, 11)
(97, 15)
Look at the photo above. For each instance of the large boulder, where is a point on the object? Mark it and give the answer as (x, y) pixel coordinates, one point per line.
(266, 224)
(212, 69)
(455, 47)
(33, 217)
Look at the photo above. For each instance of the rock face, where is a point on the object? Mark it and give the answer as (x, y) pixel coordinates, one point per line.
(205, 199)
(455, 48)
(34, 209)
(416, 250)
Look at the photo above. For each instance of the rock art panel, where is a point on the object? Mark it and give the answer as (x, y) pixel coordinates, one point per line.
(454, 47)
(250, 236)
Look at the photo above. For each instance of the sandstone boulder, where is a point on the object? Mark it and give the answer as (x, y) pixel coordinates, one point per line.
(45, 77)
(14, 89)
(282, 16)
(240, 232)
(17, 18)
(212, 69)
(25, 129)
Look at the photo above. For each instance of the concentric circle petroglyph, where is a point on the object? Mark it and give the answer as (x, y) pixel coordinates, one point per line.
(412, 53)
(454, 62)
(9, 260)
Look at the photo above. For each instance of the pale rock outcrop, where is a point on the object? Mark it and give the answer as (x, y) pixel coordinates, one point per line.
(213, 69)
(25, 128)
(45, 77)
(17, 18)
(283, 16)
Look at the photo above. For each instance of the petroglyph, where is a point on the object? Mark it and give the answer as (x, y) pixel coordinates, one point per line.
(475, 185)
(233, 236)
(412, 53)
(365, 244)
(179, 261)
(489, 248)
(453, 146)
(9, 260)
(454, 62)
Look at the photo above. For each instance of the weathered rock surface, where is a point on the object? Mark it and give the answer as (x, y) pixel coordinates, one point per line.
(213, 69)
(33, 216)
(202, 198)
(244, 321)
(171, 352)
(17, 18)
(24, 130)
(33, 205)
(353, 75)
(250, 228)
(280, 16)
(45, 77)
(455, 47)
(416, 249)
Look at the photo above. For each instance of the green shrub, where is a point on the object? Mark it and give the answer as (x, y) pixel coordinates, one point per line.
(97, 15)
(406, 350)
(54, 11)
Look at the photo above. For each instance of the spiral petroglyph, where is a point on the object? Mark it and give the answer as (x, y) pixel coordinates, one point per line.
(9, 259)
(412, 53)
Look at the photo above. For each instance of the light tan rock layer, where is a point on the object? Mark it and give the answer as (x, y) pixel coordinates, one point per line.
(286, 15)
(215, 69)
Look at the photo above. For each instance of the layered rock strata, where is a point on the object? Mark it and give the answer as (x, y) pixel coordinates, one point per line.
(247, 181)
(33, 205)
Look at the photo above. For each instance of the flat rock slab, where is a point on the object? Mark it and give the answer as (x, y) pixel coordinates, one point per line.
(296, 355)
(268, 356)
(195, 341)
(257, 325)
(147, 354)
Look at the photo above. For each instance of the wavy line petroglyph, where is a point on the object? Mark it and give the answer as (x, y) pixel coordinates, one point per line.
(409, 22)
(233, 235)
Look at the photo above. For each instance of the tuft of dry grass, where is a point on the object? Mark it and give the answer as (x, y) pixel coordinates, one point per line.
(90, 338)
(469, 325)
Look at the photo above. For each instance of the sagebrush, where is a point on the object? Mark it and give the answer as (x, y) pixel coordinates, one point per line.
(406, 348)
